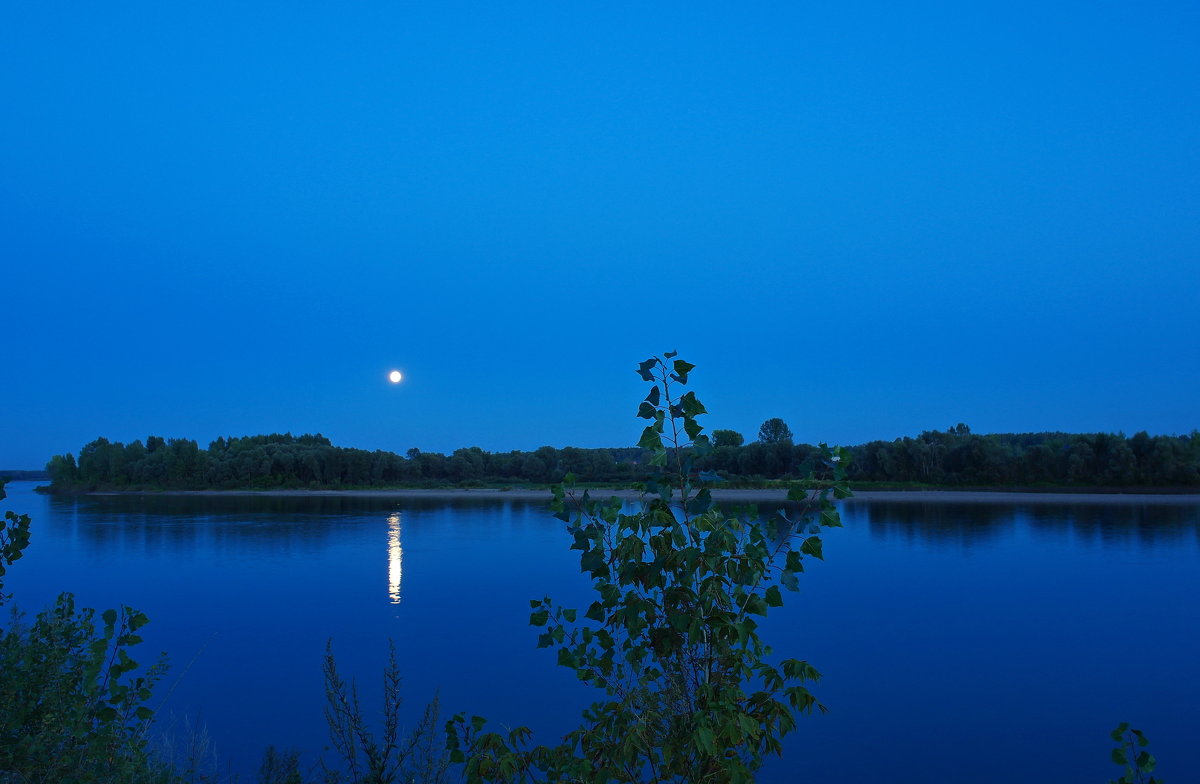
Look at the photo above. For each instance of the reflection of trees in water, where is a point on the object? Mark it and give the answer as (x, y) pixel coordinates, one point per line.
(241, 505)
(282, 524)
(941, 523)
(1117, 524)
(307, 522)
(1120, 524)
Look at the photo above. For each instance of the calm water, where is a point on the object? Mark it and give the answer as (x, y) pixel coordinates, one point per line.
(959, 642)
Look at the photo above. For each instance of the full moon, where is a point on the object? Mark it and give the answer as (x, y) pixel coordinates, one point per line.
(395, 376)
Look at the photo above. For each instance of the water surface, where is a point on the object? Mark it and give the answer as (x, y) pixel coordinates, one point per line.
(973, 642)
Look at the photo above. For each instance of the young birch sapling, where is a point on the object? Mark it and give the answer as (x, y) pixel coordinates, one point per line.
(691, 692)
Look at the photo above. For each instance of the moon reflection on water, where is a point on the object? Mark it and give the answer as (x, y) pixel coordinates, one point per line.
(395, 558)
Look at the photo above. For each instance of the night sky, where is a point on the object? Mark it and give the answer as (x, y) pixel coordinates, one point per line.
(869, 219)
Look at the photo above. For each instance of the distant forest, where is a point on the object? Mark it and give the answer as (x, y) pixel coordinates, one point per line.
(953, 458)
(16, 475)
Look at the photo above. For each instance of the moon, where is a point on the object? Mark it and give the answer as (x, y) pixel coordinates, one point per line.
(395, 376)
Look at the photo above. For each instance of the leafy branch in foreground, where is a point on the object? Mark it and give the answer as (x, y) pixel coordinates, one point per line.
(1131, 753)
(72, 708)
(691, 691)
(14, 538)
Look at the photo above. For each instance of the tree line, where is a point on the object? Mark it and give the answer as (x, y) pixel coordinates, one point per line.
(955, 457)
(312, 461)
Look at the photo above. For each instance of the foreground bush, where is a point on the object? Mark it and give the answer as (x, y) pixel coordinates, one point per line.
(71, 709)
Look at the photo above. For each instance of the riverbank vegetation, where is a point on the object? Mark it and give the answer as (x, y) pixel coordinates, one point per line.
(72, 699)
(954, 458)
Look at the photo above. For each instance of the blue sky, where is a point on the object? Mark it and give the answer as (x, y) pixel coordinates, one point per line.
(869, 219)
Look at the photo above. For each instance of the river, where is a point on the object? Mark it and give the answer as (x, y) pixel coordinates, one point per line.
(980, 642)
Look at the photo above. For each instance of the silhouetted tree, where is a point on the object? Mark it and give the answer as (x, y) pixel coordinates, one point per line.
(774, 431)
(727, 438)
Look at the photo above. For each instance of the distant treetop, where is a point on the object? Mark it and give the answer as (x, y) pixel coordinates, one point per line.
(727, 438)
(774, 431)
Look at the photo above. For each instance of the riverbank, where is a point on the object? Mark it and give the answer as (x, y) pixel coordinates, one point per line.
(725, 495)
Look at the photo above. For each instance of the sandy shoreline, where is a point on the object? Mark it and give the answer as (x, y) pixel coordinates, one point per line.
(746, 496)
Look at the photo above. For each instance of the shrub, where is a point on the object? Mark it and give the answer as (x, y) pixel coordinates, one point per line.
(73, 712)
(691, 691)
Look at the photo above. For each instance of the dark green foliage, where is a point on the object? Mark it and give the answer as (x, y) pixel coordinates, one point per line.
(954, 458)
(1131, 754)
(959, 457)
(74, 710)
(313, 462)
(71, 707)
(258, 461)
(690, 691)
(727, 438)
(774, 431)
(62, 470)
(14, 538)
